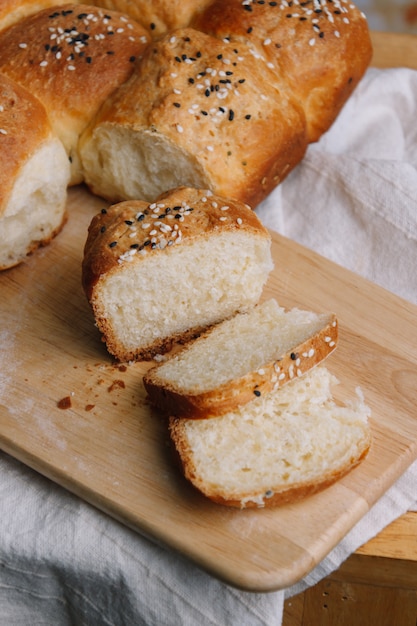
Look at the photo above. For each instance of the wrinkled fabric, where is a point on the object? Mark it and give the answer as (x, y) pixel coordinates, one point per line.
(354, 200)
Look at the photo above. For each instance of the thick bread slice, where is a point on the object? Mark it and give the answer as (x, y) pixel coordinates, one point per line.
(162, 272)
(240, 358)
(278, 448)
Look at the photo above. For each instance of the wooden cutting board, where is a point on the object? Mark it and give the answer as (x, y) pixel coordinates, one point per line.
(111, 449)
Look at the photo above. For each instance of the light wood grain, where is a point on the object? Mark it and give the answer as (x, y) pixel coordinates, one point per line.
(110, 449)
(394, 50)
(397, 541)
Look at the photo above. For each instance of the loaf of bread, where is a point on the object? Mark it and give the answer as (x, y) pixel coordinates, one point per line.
(215, 94)
(278, 448)
(229, 104)
(319, 50)
(34, 175)
(199, 112)
(71, 58)
(248, 355)
(162, 272)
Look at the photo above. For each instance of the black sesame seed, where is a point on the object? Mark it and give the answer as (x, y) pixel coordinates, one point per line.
(257, 393)
(152, 25)
(112, 244)
(134, 245)
(247, 117)
(103, 229)
(132, 59)
(128, 222)
(294, 356)
(177, 104)
(231, 115)
(104, 211)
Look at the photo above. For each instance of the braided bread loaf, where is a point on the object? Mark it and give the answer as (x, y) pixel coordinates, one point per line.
(219, 94)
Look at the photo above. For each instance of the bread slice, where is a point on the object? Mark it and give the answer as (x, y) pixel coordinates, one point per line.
(240, 358)
(280, 447)
(160, 273)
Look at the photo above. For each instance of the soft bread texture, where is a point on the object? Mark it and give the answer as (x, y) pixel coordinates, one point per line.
(72, 58)
(280, 447)
(251, 354)
(199, 112)
(319, 50)
(33, 177)
(159, 273)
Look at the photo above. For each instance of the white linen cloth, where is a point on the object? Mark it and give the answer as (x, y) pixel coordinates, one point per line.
(354, 200)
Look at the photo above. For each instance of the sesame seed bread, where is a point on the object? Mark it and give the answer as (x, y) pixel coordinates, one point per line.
(248, 355)
(219, 121)
(162, 272)
(12, 11)
(71, 58)
(320, 50)
(278, 448)
(158, 16)
(34, 175)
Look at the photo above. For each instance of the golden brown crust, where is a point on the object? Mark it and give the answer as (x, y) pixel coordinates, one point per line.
(320, 50)
(219, 104)
(275, 495)
(19, 109)
(158, 16)
(12, 11)
(72, 58)
(228, 396)
(181, 214)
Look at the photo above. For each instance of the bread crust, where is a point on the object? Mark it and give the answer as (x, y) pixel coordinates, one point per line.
(12, 11)
(68, 58)
(19, 109)
(236, 392)
(158, 16)
(320, 51)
